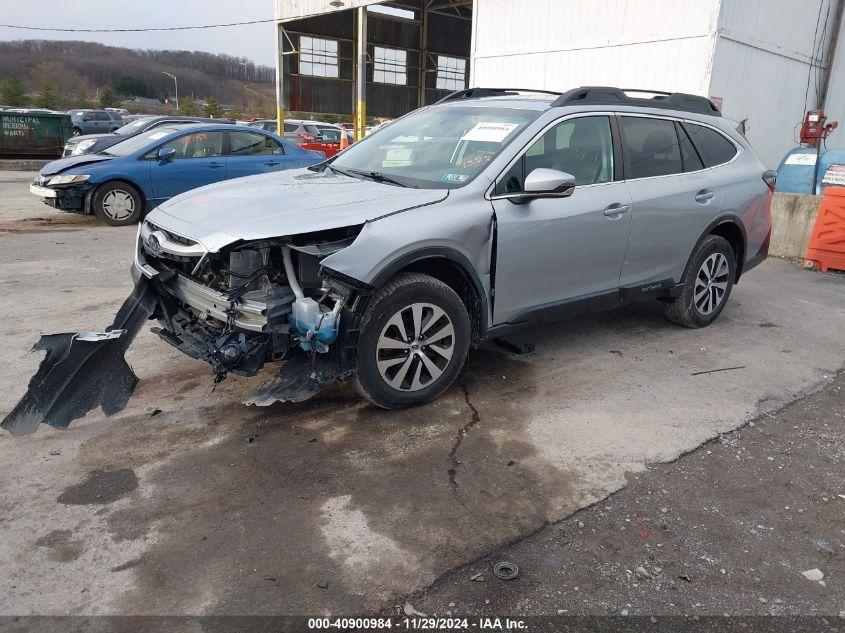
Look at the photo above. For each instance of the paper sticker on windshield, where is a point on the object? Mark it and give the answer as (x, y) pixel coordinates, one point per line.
(157, 135)
(454, 177)
(489, 132)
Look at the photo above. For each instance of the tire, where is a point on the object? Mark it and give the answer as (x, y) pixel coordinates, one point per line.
(383, 354)
(117, 203)
(76, 132)
(708, 281)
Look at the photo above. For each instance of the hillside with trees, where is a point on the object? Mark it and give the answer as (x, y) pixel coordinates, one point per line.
(67, 74)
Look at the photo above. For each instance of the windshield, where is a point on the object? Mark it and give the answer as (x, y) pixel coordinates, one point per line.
(436, 148)
(131, 128)
(135, 143)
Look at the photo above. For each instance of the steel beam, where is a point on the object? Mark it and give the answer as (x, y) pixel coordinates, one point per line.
(361, 76)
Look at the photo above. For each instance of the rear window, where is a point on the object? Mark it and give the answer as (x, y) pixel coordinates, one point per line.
(714, 148)
(651, 147)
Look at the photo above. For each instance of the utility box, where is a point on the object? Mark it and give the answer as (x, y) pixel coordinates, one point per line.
(25, 135)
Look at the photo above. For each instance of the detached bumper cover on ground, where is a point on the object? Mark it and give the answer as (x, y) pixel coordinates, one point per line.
(83, 370)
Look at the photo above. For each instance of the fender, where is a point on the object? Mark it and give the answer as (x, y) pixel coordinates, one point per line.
(439, 252)
(725, 218)
(89, 195)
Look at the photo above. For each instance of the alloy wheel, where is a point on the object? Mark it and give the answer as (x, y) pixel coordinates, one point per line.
(415, 347)
(711, 283)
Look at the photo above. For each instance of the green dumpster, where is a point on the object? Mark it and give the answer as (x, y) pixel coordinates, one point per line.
(24, 135)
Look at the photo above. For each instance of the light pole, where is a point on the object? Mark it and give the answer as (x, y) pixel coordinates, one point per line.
(173, 77)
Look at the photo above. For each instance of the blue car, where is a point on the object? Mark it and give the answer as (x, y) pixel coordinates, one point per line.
(120, 184)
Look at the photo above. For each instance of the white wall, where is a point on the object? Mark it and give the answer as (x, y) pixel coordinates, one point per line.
(835, 106)
(557, 44)
(760, 68)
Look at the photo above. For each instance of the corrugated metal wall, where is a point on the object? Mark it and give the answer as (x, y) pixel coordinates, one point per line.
(753, 54)
(446, 35)
(762, 65)
(657, 44)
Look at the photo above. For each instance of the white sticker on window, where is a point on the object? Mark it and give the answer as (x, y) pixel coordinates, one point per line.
(801, 159)
(489, 132)
(157, 135)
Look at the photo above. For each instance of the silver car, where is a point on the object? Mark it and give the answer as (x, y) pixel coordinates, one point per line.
(466, 220)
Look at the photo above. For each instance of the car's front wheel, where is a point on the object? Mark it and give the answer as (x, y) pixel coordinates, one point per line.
(414, 339)
(117, 203)
(708, 282)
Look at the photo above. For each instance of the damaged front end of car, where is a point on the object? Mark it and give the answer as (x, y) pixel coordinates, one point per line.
(249, 303)
(246, 304)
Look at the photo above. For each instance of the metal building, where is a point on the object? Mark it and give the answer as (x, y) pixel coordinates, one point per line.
(410, 55)
(755, 58)
(765, 62)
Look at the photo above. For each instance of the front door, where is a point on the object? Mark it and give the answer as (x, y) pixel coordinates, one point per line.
(553, 250)
(198, 161)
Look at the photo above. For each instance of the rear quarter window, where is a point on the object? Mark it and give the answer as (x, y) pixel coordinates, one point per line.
(712, 146)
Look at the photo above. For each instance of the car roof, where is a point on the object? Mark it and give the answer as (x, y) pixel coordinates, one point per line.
(590, 99)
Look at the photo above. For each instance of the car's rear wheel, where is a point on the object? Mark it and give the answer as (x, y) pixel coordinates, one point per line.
(708, 282)
(76, 132)
(117, 203)
(414, 339)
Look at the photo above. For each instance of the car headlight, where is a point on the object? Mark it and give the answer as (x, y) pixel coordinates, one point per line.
(82, 147)
(68, 179)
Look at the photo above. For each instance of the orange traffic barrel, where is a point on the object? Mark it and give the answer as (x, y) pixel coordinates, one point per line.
(826, 248)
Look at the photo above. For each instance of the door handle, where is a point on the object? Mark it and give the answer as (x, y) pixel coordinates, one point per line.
(270, 163)
(704, 196)
(616, 209)
(215, 165)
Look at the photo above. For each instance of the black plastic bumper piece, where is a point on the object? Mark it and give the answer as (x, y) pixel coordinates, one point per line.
(81, 372)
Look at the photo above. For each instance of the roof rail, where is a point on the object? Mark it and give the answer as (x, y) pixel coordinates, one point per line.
(477, 93)
(605, 95)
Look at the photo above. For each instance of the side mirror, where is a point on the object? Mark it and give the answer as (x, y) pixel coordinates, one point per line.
(551, 182)
(166, 154)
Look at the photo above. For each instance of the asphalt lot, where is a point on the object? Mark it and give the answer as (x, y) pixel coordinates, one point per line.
(336, 506)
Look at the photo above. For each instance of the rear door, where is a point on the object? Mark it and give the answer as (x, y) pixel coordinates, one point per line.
(550, 251)
(674, 198)
(103, 122)
(254, 153)
(199, 160)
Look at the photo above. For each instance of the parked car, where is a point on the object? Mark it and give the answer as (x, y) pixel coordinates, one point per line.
(93, 143)
(122, 112)
(488, 212)
(120, 184)
(87, 121)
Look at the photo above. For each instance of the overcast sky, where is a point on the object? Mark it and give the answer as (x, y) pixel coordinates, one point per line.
(254, 41)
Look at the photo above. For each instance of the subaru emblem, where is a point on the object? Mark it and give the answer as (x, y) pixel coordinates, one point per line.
(154, 244)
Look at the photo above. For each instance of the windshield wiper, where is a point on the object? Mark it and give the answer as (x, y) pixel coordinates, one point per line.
(378, 177)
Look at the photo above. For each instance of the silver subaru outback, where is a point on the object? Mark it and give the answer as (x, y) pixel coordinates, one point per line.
(466, 220)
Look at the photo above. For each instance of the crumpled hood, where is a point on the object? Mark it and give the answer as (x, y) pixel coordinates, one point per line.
(284, 203)
(63, 164)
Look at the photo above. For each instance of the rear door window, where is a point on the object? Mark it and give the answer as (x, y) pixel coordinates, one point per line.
(651, 147)
(250, 144)
(713, 147)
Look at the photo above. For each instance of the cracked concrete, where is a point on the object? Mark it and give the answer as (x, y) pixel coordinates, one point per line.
(211, 516)
(459, 438)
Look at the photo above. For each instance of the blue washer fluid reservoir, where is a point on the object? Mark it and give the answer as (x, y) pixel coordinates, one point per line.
(314, 323)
